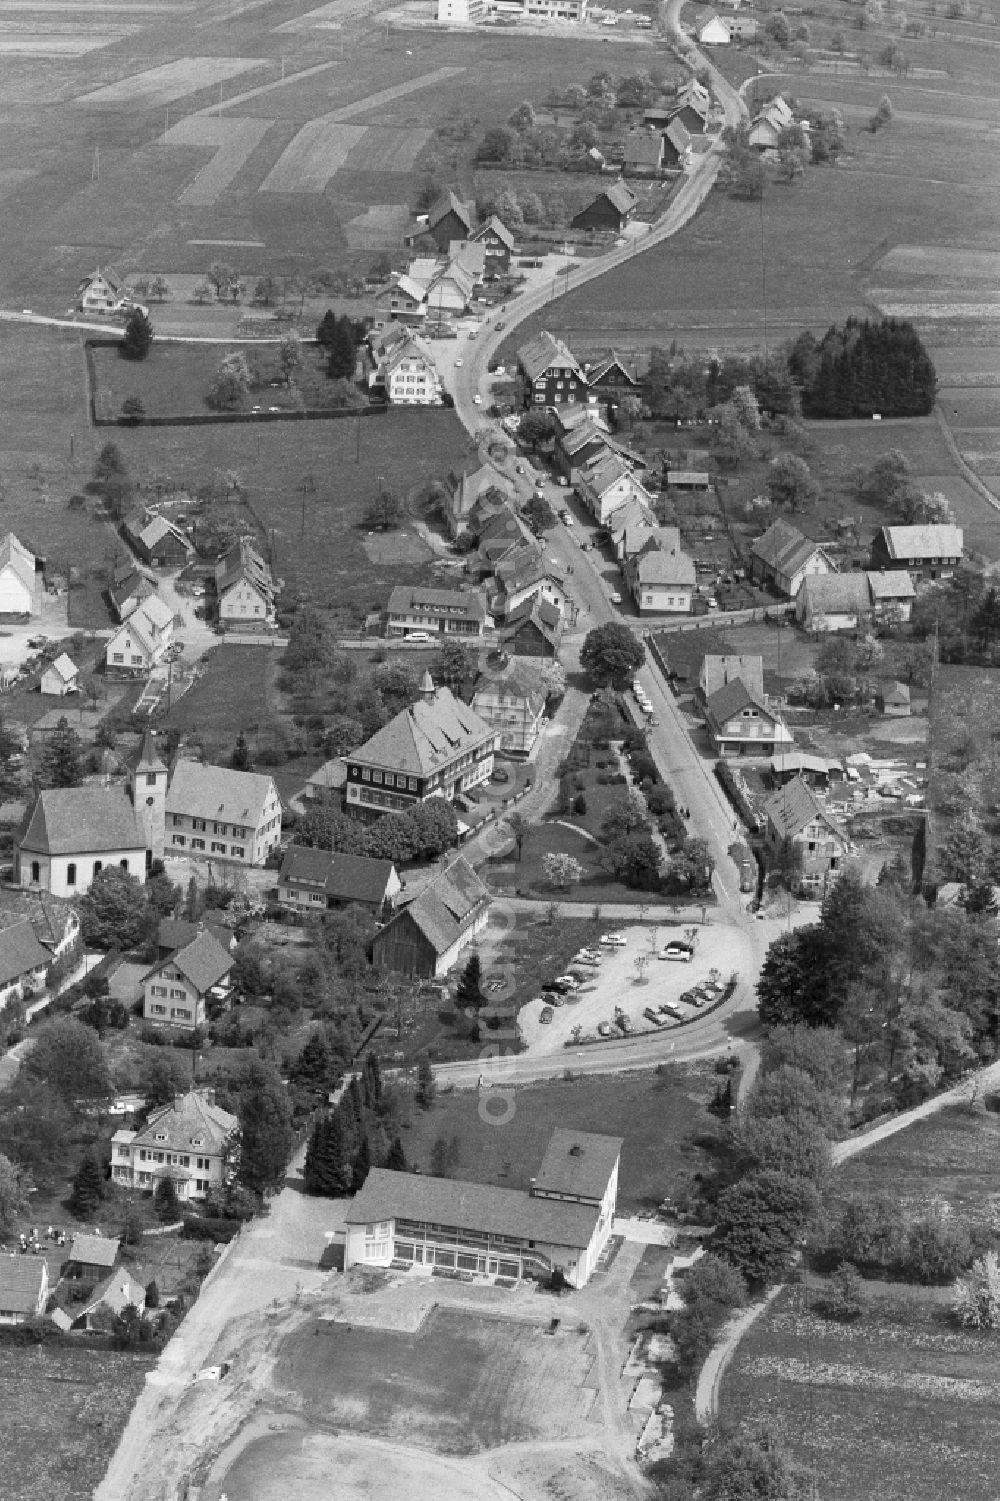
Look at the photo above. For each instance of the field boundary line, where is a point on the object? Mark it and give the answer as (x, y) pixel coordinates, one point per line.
(965, 468)
(706, 1394)
(265, 88)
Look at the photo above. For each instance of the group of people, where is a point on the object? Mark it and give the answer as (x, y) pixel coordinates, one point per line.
(32, 1244)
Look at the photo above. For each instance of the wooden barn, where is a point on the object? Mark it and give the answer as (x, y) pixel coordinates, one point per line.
(427, 935)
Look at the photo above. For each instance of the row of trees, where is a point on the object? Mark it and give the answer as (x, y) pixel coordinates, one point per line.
(351, 1137)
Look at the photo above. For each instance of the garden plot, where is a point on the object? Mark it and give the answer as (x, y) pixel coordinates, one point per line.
(170, 81)
(231, 141)
(313, 156)
(382, 224)
(389, 150)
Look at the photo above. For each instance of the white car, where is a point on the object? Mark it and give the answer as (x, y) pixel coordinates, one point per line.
(458, 364)
(680, 951)
(569, 980)
(477, 400)
(616, 598)
(613, 940)
(417, 638)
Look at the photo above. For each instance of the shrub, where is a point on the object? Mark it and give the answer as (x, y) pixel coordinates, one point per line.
(841, 1298)
(580, 804)
(937, 1249)
(203, 1228)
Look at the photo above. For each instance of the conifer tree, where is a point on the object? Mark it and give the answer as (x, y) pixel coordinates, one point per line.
(88, 1187)
(396, 1160)
(361, 1165)
(469, 992)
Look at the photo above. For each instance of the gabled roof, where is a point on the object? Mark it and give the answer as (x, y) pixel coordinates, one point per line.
(735, 696)
(203, 962)
(643, 148)
(22, 1279)
(140, 625)
(931, 541)
(620, 196)
(581, 434)
(175, 933)
(422, 738)
(95, 1250)
(20, 952)
(538, 612)
(578, 1163)
(410, 350)
(784, 548)
(64, 667)
(80, 821)
(15, 556)
(633, 513)
(896, 584)
(112, 279)
(116, 1292)
(654, 565)
(718, 670)
(603, 471)
(243, 561)
(446, 905)
(49, 915)
(899, 693)
(495, 226)
(190, 1122)
(525, 566)
(330, 776)
(835, 593)
(347, 878)
(694, 96)
(793, 807)
(626, 369)
(218, 793)
(130, 584)
(468, 256)
(445, 205)
(472, 1206)
(515, 684)
(678, 137)
(150, 529)
(464, 602)
(545, 350)
(411, 286)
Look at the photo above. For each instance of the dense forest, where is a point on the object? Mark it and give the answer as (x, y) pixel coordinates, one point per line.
(863, 368)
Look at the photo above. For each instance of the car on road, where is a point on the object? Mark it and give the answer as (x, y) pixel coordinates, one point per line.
(477, 400)
(566, 518)
(569, 981)
(417, 638)
(613, 940)
(654, 723)
(604, 1029)
(616, 598)
(458, 364)
(555, 985)
(713, 604)
(472, 334)
(546, 1015)
(500, 325)
(518, 468)
(683, 952)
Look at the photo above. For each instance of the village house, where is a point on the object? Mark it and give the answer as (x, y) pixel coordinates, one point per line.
(321, 881)
(676, 146)
(503, 536)
(449, 219)
(437, 747)
(816, 771)
(104, 293)
(628, 527)
(62, 676)
(801, 832)
(513, 704)
(327, 780)
(180, 989)
(611, 210)
(714, 33)
(693, 107)
(461, 12)
(768, 124)
(55, 924)
(92, 1256)
(191, 1141)
(606, 483)
(660, 577)
(533, 629)
(562, 1223)
(404, 301)
(24, 963)
(741, 28)
(409, 376)
(24, 1288)
(461, 493)
(17, 577)
(142, 640)
(110, 1298)
(430, 930)
(741, 723)
(69, 834)
(525, 574)
(643, 153)
(446, 612)
(176, 933)
(783, 557)
(894, 700)
(244, 588)
(498, 242)
(613, 376)
(450, 289)
(158, 542)
(469, 256)
(213, 812)
(129, 587)
(842, 601)
(716, 671)
(930, 552)
(553, 374)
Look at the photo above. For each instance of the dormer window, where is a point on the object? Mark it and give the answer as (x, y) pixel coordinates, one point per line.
(161, 1136)
(197, 1141)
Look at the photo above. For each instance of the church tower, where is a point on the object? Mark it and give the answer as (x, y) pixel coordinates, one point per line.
(147, 787)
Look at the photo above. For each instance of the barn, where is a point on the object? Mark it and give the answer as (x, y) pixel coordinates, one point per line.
(17, 577)
(429, 932)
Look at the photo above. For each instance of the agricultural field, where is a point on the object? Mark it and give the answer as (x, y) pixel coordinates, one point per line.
(902, 1403)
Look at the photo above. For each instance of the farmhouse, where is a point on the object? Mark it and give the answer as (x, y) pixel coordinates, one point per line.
(435, 748)
(717, 671)
(176, 933)
(469, 256)
(24, 1288)
(611, 209)
(660, 577)
(840, 601)
(449, 291)
(799, 827)
(554, 375)
(513, 704)
(715, 33)
(178, 990)
(449, 219)
(213, 812)
(931, 552)
(643, 153)
(607, 483)
(61, 677)
(55, 922)
(614, 375)
(741, 28)
(92, 1256)
(676, 146)
(245, 588)
(561, 1224)
(894, 700)
(103, 292)
(326, 779)
(410, 376)
(783, 557)
(740, 723)
(693, 107)
(461, 494)
(629, 525)
(17, 577)
(111, 1297)
(533, 629)
(577, 443)
(448, 612)
(892, 593)
(523, 575)
(323, 882)
(129, 587)
(430, 930)
(159, 543)
(405, 299)
(142, 640)
(69, 834)
(498, 241)
(191, 1141)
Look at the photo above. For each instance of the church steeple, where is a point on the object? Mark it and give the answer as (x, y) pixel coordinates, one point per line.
(147, 787)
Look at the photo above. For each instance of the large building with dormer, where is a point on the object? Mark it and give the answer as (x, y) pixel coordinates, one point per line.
(437, 747)
(192, 1141)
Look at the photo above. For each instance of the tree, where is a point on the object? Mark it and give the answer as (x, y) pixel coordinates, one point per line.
(342, 351)
(977, 1294)
(384, 509)
(883, 114)
(266, 1137)
(611, 654)
(779, 30)
(138, 337)
(133, 410)
(790, 163)
(62, 757)
(519, 827)
(469, 992)
(790, 482)
(870, 366)
(426, 1083)
(453, 664)
(233, 380)
(562, 871)
(536, 428)
(752, 1465)
(15, 1190)
(289, 358)
(115, 913)
(937, 1246)
(159, 289)
(798, 1148)
(327, 1167)
(396, 1158)
(160, 1077)
(761, 1220)
(742, 174)
(241, 759)
(68, 1057)
(732, 440)
(792, 987)
(166, 1202)
(523, 118)
(88, 1187)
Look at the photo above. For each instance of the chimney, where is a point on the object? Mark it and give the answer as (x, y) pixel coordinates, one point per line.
(427, 688)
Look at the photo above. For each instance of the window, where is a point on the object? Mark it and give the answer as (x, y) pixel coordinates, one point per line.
(197, 844)
(36, 871)
(366, 775)
(178, 839)
(136, 661)
(238, 852)
(151, 779)
(118, 656)
(98, 867)
(220, 828)
(217, 848)
(123, 864)
(199, 824)
(71, 873)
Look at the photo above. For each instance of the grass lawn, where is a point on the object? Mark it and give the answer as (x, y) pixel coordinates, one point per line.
(964, 723)
(527, 877)
(62, 1414)
(234, 692)
(662, 1116)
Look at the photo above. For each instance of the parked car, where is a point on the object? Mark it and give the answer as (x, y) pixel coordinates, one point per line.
(666, 1009)
(417, 638)
(654, 723)
(651, 1015)
(477, 400)
(555, 999)
(613, 940)
(569, 981)
(559, 986)
(677, 950)
(546, 1015)
(604, 1029)
(624, 1024)
(566, 518)
(616, 598)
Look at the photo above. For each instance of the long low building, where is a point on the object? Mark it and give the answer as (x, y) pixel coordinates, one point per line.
(561, 1224)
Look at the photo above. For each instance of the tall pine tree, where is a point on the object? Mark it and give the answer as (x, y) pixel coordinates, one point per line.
(88, 1187)
(470, 989)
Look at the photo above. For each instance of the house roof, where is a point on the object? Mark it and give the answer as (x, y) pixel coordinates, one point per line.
(625, 368)
(620, 196)
(572, 439)
(835, 593)
(80, 821)
(472, 1206)
(798, 761)
(735, 696)
(604, 471)
(515, 684)
(203, 962)
(22, 1279)
(633, 513)
(445, 905)
(784, 548)
(95, 1250)
(655, 565)
(64, 667)
(243, 561)
(470, 256)
(717, 671)
(147, 757)
(424, 736)
(330, 776)
(678, 136)
(544, 350)
(464, 602)
(116, 1292)
(346, 878)
(409, 350)
(495, 226)
(218, 793)
(694, 95)
(445, 205)
(15, 556)
(643, 148)
(578, 1163)
(899, 693)
(188, 1122)
(411, 286)
(50, 916)
(20, 951)
(175, 933)
(539, 614)
(131, 584)
(932, 541)
(791, 808)
(896, 584)
(149, 529)
(525, 566)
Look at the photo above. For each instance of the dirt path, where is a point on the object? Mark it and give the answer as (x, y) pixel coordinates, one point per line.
(706, 1396)
(975, 1086)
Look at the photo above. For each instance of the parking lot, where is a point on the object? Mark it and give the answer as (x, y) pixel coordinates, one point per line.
(619, 981)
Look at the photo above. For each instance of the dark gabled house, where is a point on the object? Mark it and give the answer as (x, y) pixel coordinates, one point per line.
(693, 107)
(930, 552)
(320, 881)
(616, 375)
(129, 588)
(534, 629)
(429, 932)
(553, 374)
(174, 933)
(798, 823)
(783, 557)
(499, 243)
(611, 209)
(158, 542)
(449, 219)
(676, 146)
